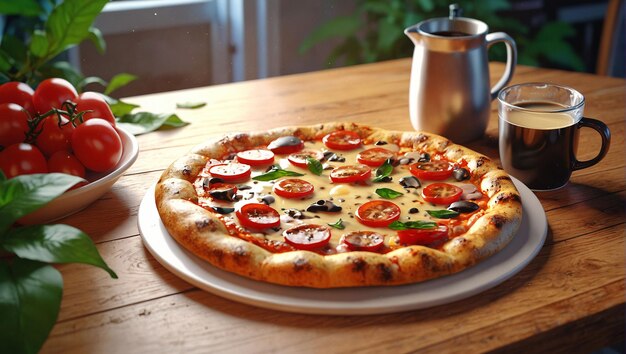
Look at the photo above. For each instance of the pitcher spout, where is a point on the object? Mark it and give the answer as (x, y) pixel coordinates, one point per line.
(412, 33)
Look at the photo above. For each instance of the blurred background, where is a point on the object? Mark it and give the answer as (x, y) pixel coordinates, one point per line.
(176, 44)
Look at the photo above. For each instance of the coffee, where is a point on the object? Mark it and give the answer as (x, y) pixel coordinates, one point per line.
(450, 34)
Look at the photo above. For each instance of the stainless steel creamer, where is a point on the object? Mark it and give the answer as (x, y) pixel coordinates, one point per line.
(450, 91)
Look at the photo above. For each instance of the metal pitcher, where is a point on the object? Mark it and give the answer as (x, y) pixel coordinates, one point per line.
(449, 93)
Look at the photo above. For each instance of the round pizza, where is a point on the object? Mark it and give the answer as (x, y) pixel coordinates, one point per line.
(338, 205)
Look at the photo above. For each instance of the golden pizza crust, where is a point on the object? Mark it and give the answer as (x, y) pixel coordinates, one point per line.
(203, 233)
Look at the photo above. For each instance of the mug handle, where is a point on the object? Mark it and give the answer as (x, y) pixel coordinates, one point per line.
(511, 59)
(605, 134)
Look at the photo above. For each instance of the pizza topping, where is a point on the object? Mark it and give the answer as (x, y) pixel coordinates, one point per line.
(300, 158)
(276, 172)
(324, 205)
(384, 171)
(231, 172)
(286, 145)
(293, 188)
(223, 191)
(415, 156)
(337, 225)
(378, 213)
(464, 206)
(460, 174)
(333, 157)
(315, 166)
(419, 224)
(307, 236)
(375, 156)
(369, 241)
(295, 213)
(441, 193)
(223, 210)
(433, 170)
(423, 236)
(258, 216)
(350, 174)
(342, 140)
(443, 214)
(267, 199)
(410, 182)
(470, 192)
(388, 193)
(256, 157)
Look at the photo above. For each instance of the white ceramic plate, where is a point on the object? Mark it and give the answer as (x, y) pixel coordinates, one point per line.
(349, 301)
(99, 183)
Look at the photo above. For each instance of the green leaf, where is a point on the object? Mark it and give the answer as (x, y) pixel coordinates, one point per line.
(14, 47)
(96, 37)
(30, 299)
(54, 244)
(338, 225)
(383, 171)
(315, 166)
(22, 195)
(276, 173)
(190, 105)
(423, 225)
(119, 107)
(118, 81)
(39, 44)
(443, 214)
(144, 122)
(6, 62)
(343, 26)
(88, 81)
(388, 193)
(427, 5)
(62, 69)
(27, 8)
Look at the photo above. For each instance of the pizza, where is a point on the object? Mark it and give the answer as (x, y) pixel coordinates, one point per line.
(338, 205)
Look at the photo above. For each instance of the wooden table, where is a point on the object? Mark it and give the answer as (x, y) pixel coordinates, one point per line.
(569, 298)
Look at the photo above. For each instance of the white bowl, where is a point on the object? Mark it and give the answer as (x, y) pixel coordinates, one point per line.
(78, 199)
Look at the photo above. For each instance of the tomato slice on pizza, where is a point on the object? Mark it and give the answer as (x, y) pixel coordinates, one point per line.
(342, 140)
(258, 216)
(308, 236)
(300, 158)
(293, 188)
(442, 193)
(256, 157)
(432, 170)
(231, 172)
(375, 157)
(378, 213)
(350, 174)
(363, 240)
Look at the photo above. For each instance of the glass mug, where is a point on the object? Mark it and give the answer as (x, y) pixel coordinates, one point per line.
(539, 125)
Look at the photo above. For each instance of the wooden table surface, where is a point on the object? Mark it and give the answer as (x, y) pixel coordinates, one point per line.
(571, 297)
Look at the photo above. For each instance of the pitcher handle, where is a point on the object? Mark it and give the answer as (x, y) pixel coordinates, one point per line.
(511, 59)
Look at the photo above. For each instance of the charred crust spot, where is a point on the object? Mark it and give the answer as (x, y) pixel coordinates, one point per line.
(385, 272)
(422, 138)
(428, 262)
(186, 170)
(218, 256)
(481, 161)
(358, 265)
(240, 254)
(503, 178)
(507, 197)
(498, 221)
(202, 223)
(301, 264)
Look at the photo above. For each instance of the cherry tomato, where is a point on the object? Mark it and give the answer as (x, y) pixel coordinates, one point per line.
(363, 241)
(51, 93)
(375, 156)
(22, 159)
(95, 107)
(258, 216)
(66, 162)
(286, 145)
(293, 188)
(433, 170)
(422, 236)
(20, 94)
(256, 157)
(350, 173)
(231, 172)
(97, 145)
(299, 158)
(442, 193)
(307, 236)
(13, 124)
(342, 140)
(378, 213)
(56, 135)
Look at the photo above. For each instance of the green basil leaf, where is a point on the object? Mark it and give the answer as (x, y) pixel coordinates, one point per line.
(119, 107)
(22, 195)
(21, 8)
(315, 166)
(54, 244)
(145, 122)
(118, 81)
(388, 193)
(96, 37)
(190, 105)
(384, 171)
(443, 214)
(276, 173)
(38, 44)
(6, 62)
(30, 299)
(338, 225)
(399, 225)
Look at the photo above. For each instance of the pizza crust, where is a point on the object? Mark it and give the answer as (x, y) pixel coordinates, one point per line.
(203, 233)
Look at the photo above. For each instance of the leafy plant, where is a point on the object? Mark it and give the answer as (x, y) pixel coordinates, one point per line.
(36, 35)
(31, 288)
(375, 32)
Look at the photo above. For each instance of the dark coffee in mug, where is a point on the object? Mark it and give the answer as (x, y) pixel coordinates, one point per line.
(451, 34)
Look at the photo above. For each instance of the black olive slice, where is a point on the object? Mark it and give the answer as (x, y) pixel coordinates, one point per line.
(226, 193)
(223, 210)
(284, 141)
(463, 206)
(324, 205)
(460, 174)
(410, 182)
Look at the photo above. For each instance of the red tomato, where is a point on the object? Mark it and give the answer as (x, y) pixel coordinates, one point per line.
(299, 158)
(95, 107)
(55, 135)
(51, 93)
(375, 156)
(307, 236)
(258, 216)
(378, 213)
(293, 188)
(256, 157)
(350, 173)
(286, 145)
(97, 145)
(66, 162)
(422, 236)
(342, 140)
(13, 124)
(363, 241)
(433, 170)
(231, 172)
(22, 159)
(18, 93)
(442, 193)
